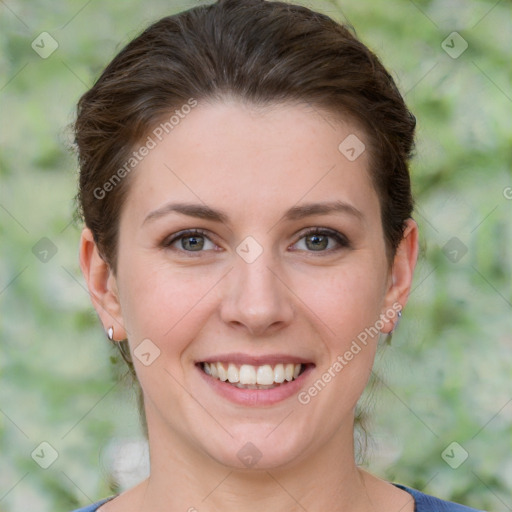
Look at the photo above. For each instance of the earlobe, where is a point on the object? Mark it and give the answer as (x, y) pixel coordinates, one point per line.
(101, 284)
(402, 274)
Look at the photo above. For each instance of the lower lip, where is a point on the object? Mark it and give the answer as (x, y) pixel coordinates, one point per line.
(257, 397)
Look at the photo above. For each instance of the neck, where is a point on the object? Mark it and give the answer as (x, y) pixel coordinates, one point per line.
(182, 478)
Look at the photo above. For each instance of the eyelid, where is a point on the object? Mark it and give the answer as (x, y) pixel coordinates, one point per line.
(341, 239)
(171, 239)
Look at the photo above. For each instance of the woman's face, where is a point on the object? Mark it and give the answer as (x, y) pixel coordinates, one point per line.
(285, 266)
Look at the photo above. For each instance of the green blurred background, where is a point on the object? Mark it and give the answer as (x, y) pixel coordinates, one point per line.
(446, 377)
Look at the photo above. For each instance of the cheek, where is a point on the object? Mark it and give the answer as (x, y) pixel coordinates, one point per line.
(344, 308)
(169, 308)
(346, 300)
(166, 303)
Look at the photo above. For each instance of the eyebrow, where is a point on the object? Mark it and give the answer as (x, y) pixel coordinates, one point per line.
(309, 209)
(295, 213)
(190, 209)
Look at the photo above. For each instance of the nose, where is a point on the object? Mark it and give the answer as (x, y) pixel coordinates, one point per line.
(256, 298)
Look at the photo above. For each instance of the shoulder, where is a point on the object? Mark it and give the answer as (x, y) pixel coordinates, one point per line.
(426, 503)
(423, 503)
(94, 507)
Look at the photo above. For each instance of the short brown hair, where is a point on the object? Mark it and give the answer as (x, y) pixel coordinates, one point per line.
(262, 52)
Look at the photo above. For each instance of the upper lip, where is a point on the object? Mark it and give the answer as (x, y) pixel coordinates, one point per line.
(239, 358)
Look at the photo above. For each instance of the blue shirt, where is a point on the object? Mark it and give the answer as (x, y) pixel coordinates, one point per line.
(423, 503)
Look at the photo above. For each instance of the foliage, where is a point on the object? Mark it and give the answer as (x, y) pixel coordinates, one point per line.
(446, 376)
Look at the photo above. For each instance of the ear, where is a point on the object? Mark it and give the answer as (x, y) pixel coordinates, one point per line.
(400, 279)
(102, 285)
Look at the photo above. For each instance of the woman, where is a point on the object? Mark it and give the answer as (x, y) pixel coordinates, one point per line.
(245, 190)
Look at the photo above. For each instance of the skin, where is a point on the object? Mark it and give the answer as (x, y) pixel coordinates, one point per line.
(254, 164)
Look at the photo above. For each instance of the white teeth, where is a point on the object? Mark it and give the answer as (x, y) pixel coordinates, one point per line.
(221, 372)
(233, 373)
(288, 372)
(253, 377)
(247, 374)
(279, 373)
(265, 375)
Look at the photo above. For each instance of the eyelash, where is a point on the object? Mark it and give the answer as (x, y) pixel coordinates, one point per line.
(342, 241)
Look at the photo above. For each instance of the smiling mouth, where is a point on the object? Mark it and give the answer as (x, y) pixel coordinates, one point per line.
(247, 376)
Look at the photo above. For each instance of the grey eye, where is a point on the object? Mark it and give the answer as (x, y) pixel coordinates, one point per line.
(192, 243)
(317, 242)
(322, 240)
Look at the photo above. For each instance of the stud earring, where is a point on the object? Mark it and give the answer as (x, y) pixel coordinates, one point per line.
(399, 315)
(122, 345)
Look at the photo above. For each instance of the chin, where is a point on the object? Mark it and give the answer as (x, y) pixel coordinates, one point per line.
(252, 447)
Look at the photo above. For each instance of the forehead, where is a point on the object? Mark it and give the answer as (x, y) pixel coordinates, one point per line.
(252, 161)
